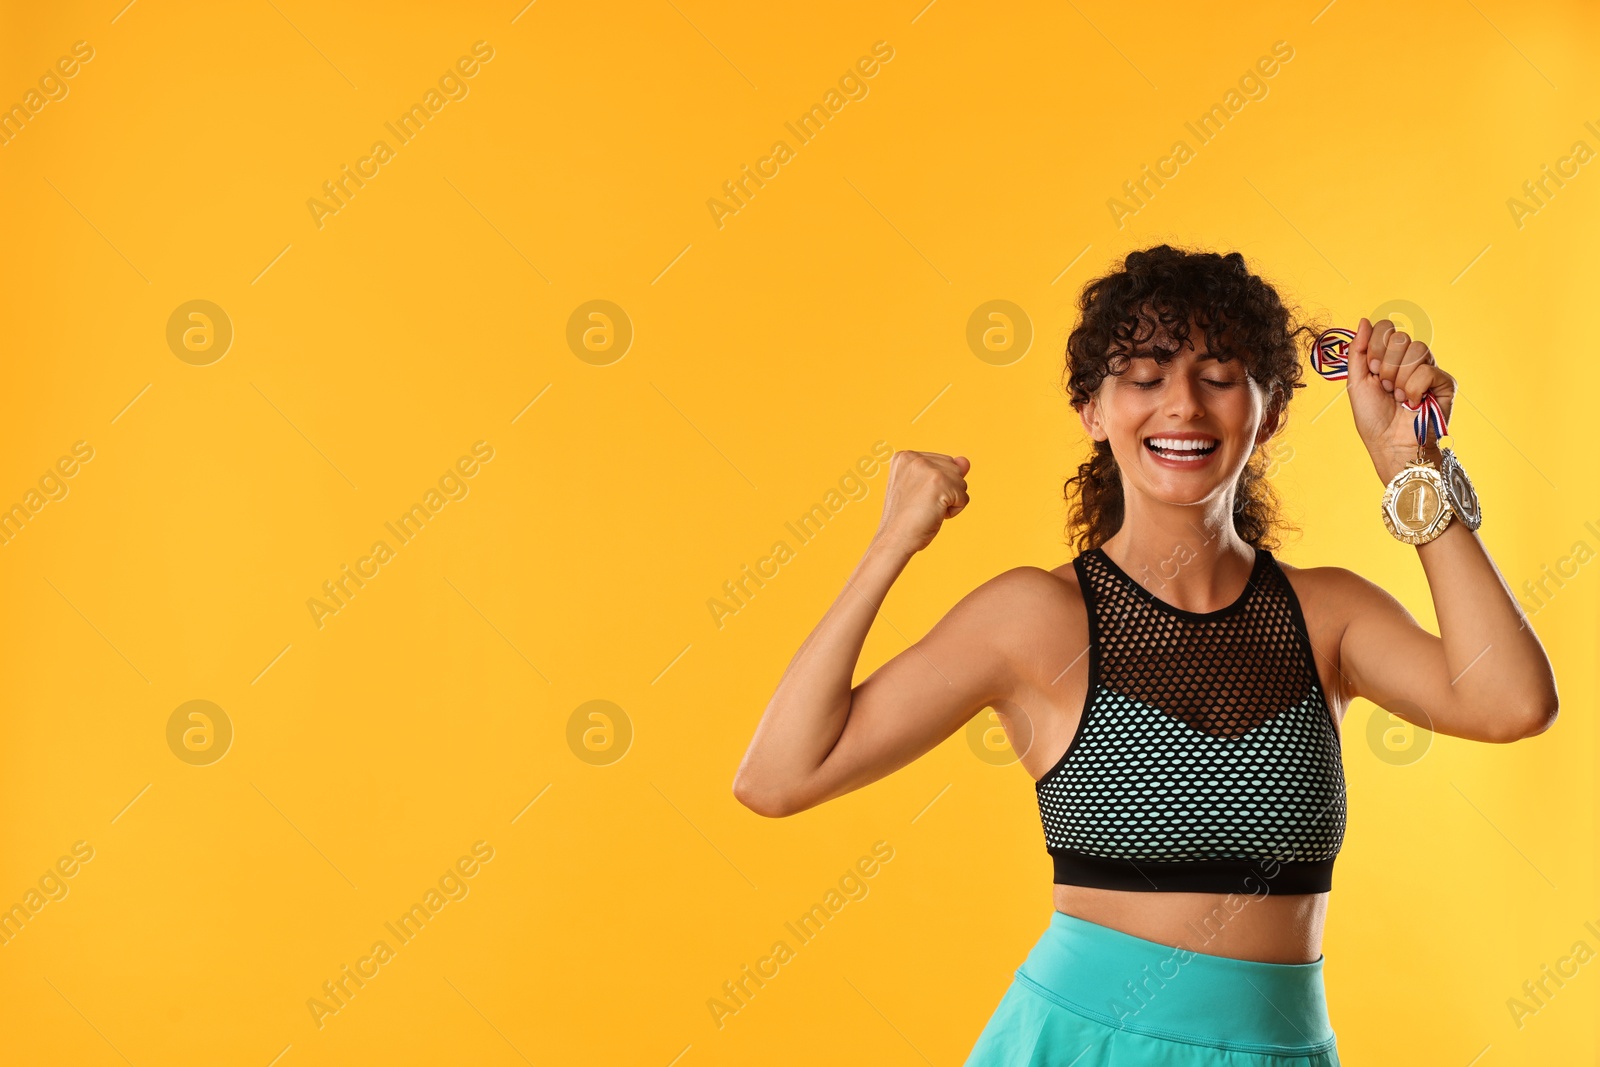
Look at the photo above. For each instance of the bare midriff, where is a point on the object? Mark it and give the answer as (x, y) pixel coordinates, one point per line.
(1272, 928)
(1275, 928)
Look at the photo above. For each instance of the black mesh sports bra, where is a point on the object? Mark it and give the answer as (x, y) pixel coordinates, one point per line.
(1207, 759)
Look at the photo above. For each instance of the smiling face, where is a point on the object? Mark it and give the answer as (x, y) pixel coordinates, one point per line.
(1182, 423)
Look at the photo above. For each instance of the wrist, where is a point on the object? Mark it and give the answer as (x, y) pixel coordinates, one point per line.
(1390, 463)
(885, 545)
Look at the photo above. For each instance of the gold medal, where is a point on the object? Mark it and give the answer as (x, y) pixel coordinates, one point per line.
(1420, 501)
(1416, 505)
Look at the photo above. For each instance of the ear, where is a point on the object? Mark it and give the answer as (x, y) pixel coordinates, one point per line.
(1271, 423)
(1089, 415)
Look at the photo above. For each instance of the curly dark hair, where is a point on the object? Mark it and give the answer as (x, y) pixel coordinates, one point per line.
(1242, 316)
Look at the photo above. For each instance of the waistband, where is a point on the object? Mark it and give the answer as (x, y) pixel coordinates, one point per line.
(1174, 993)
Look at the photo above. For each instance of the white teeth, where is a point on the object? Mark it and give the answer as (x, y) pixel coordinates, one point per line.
(1181, 444)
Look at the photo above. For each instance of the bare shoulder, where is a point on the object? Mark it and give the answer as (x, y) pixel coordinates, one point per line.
(1039, 600)
(1336, 591)
(1037, 635)
(1035, 619)
(1031, 588)
(1024, 615)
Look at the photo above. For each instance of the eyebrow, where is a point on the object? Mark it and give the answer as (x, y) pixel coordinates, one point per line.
(1169, 355)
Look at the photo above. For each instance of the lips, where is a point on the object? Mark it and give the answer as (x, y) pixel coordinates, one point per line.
(1182, 450)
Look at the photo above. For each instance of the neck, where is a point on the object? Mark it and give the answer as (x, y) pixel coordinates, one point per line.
(1189, 556)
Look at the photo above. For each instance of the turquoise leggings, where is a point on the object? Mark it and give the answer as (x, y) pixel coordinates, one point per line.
(1091, 996)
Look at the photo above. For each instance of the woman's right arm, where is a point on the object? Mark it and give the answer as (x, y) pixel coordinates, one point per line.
(820, 738)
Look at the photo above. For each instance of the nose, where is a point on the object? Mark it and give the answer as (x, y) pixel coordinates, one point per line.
(1182, 397)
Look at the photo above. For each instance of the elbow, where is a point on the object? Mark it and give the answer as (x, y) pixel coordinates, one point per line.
(1532, 724)
(762, 802)
(1543, 719)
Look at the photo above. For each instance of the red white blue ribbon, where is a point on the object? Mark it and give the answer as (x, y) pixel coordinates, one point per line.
(1328, 355)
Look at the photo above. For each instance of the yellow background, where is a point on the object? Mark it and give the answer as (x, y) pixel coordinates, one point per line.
(434, 710)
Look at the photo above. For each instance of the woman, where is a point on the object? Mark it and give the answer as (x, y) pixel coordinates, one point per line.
(1174, 691)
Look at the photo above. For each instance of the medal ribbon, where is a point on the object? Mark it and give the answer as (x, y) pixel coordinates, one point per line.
(1328, 356)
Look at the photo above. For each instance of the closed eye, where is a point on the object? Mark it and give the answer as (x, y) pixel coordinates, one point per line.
(1152, 383)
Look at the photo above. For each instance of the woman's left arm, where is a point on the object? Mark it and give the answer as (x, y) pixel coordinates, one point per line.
(1486, 677)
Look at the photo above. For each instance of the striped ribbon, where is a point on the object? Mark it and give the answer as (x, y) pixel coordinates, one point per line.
(1328, 355)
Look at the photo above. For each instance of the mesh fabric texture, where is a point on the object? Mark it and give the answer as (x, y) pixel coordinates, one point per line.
(1207, 759)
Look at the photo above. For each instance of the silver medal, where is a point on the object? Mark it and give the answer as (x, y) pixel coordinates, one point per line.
(1463, 498)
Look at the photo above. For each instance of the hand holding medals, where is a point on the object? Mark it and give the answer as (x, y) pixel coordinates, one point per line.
(1388, 371)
